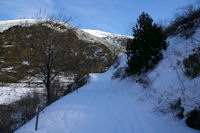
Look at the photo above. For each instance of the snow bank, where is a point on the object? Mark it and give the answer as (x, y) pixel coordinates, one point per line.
(168, 79)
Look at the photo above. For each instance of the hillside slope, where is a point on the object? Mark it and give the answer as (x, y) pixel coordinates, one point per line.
(115, 42)
(117, 39)
(21, 87)
(88, 52)
(107, 105)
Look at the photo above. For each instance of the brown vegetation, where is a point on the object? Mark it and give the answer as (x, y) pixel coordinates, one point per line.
(185, 22)
(14, 115)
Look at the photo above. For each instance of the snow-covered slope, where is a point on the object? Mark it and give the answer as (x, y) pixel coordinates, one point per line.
(115, 47)
(107, 105)
(117, 39)
(103, 34)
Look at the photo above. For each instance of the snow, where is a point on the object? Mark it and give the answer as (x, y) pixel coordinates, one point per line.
(106, 106)
(12, 92)
(169, 80)
(114, 47)
(115, 42)
(102, 34)
(4, 25)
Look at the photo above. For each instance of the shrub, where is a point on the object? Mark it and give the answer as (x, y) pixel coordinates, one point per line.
(177, 109)
(172, 106)
(120, 73)
(193, 119)
(185, 22)
(80, 81)
(58, 90)
(192, 65)
(14, 115)
(144, 81)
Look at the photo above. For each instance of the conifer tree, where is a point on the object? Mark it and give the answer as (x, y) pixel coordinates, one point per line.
(144, 51)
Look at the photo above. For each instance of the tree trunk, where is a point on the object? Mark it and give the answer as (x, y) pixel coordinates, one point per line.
(48, 88)
(48, 82)
(37, 117)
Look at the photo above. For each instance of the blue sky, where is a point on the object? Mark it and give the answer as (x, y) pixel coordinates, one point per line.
(115, 16)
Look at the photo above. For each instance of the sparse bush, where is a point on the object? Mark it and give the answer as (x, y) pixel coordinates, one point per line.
(118, 73)
(177, 109)
(79, 82)
(173, 107)
(185, 22)
(57, 90)
(116, 64)
(14, 115)
(192, 65)
(144, 81)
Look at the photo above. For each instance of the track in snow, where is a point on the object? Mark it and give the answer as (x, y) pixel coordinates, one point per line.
(103, 106)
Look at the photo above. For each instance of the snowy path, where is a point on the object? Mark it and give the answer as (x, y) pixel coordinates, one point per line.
(104, 106)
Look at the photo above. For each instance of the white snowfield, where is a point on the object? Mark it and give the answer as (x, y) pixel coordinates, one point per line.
(107, 105)
(103, 34)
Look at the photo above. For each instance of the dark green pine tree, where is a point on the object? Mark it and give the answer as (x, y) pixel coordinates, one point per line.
(144, 51)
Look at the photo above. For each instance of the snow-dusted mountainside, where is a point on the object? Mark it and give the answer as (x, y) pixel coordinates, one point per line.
(12, 92)
(103, 34)
(4, 25)
(107, 105)
(115, 38)
(115, 42)
(120, 40)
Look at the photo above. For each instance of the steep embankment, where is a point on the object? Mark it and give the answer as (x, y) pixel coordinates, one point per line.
(111, 105)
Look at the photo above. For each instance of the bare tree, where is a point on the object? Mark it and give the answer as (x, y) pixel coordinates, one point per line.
(47, 54)
(41, 14)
